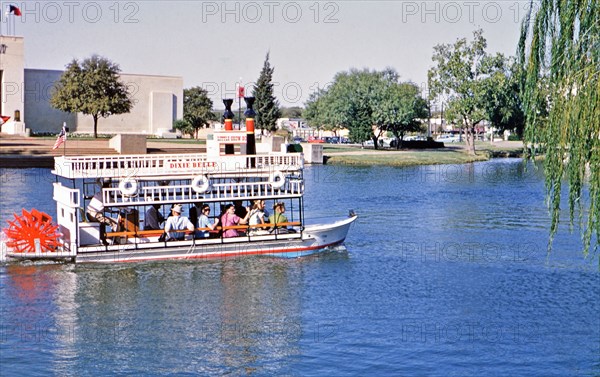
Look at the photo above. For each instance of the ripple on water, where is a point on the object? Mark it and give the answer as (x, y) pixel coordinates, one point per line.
(446, 274)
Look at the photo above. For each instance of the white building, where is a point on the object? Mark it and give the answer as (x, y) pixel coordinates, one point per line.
(25, 97)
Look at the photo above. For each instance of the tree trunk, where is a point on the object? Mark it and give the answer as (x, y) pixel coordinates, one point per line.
(95, 126)
(399, 140)
(470, 140)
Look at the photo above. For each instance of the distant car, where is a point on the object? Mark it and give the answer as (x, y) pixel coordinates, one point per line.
(415, 138)
(448, 138)
(298, 140)
(312, 139)
(387, 142)
(333, 140)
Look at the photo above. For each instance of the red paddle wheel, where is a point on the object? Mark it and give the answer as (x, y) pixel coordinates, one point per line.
(32, 231)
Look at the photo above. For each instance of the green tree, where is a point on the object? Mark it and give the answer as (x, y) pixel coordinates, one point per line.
(351, 101)
(197, 110)
(560, 55)
(291, 112)
(266, 105)
(401, 109)
(460, 72)
(317, 112)
(367, 103)
(314, 110)
(92, 87)
(501, 97)
(185, 127)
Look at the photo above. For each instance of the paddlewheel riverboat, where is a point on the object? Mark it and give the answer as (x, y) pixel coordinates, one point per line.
(131, 184)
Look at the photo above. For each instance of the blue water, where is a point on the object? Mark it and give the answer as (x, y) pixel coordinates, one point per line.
(446, 274)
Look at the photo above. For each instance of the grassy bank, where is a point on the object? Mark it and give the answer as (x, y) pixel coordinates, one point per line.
(452, 154)
(407, 158)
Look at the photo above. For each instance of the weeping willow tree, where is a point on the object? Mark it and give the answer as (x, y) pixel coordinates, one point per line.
(559, 50)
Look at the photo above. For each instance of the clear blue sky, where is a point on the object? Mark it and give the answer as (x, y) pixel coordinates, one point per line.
(214, 43)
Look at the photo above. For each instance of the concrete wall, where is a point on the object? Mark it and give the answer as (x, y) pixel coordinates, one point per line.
(157, 102)
(128, 144)
(163, 111)
(39, 115)
(12, 63)
(313, 153)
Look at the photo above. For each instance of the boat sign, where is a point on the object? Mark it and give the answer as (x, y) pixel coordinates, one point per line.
(178, 165)
(229, 137)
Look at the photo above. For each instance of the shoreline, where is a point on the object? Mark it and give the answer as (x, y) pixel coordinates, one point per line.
(453, 153)
(31, 152)
(18, 152)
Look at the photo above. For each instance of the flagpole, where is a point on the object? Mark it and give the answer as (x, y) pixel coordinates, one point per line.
(7, 21)
(65, 140)
(239, 106)
(10, 24)
(7, 14)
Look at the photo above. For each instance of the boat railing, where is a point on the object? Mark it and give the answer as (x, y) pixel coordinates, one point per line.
(121, 166)
(66, 196)
(184, 193)
(218, 229)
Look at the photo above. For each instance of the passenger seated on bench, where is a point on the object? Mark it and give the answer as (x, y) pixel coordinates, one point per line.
(177, 222)
(153, 218)
(279, 218)
(257, 217)
(95, 212)
(204, 222)
(229, 218)
(195, 212)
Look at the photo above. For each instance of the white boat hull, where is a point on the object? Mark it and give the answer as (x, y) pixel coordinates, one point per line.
(313, 239)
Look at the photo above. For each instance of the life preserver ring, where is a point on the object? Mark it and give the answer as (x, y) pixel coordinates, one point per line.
(128, 187)
(277, 179)
(200, 184)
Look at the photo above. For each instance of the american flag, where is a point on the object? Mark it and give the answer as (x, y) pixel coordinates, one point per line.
(62, 137)
(13, 10)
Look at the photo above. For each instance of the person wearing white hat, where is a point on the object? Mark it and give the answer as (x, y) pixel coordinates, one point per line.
(95, 211)
(177, 222)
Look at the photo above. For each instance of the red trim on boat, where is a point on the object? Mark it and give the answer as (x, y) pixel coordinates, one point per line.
(223, 255)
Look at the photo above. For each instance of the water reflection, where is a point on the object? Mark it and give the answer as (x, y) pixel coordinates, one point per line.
(27, 314)
(447, 261)
(259, 312)
(241, 316)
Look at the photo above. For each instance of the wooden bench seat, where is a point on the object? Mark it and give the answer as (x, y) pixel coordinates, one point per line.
(159, 232)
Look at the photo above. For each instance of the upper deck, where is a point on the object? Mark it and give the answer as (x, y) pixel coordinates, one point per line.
(169, 165)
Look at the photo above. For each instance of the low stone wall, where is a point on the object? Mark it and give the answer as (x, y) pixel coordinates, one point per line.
(128, 144)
